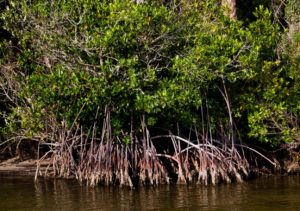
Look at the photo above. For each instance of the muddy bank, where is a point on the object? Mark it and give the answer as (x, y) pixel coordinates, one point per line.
(15, 166)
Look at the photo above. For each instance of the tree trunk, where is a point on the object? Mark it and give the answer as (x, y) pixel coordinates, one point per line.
(231, 8)
(292, 15)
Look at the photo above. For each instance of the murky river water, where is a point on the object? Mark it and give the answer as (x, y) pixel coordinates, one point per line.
(273, 193)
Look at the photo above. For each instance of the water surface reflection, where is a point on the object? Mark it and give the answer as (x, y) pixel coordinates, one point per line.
(274, 193)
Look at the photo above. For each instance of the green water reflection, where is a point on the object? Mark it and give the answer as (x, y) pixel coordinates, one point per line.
(273, 193)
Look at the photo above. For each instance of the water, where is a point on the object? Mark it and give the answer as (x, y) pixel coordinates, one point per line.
(273, 193)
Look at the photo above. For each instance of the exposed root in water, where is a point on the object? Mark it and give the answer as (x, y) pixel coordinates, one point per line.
(209, 163)
(106, 159)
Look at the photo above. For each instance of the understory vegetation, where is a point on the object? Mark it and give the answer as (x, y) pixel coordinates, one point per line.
(149, 92)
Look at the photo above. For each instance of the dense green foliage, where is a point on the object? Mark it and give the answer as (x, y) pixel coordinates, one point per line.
(178, 64)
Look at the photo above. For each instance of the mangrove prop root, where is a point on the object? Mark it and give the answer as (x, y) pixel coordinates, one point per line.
(106, 160)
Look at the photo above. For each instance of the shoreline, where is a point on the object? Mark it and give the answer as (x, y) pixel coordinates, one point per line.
(16, 167)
